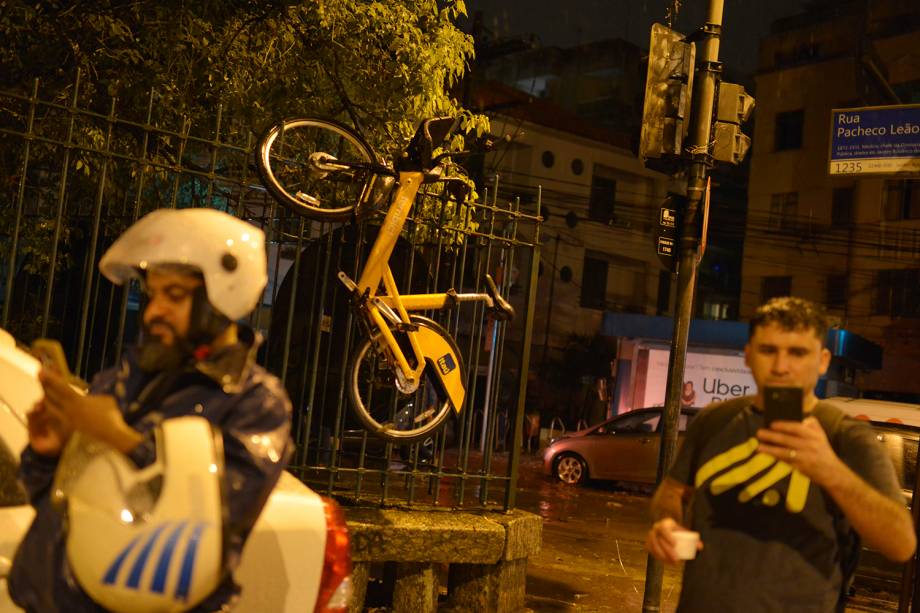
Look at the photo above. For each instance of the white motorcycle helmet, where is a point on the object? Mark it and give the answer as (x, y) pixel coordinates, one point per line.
(145, 540)
(229, 253)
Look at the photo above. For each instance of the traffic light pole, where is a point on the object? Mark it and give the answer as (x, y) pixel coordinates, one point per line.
(704, 92)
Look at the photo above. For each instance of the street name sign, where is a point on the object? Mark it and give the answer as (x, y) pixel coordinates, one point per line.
(875, 140)
(666, 247)
(664, 238)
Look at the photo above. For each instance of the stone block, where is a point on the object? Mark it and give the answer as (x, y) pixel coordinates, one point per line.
(523, 533)
(416, 588)
(359, 576)
(486, 554)
(496, 588)
(423, 536)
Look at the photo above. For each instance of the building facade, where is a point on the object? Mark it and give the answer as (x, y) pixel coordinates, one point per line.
(849, 242)
(599, 205)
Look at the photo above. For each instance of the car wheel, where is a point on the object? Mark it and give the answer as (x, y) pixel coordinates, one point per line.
(571, 469)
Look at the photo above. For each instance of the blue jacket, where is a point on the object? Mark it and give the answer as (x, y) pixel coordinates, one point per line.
(237, 396)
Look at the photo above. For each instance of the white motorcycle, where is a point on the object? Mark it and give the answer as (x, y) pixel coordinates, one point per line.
(150, 539)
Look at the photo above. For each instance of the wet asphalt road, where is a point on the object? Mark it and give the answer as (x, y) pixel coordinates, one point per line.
(593, 556)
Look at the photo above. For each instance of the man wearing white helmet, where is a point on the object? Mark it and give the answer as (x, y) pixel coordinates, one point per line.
(201, 270)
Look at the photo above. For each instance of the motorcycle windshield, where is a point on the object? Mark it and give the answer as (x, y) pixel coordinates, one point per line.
(96, 477)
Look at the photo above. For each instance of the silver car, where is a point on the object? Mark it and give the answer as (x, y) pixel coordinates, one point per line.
(623, 448)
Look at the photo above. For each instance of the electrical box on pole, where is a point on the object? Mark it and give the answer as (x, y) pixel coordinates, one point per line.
(668, 89)
(735, 108)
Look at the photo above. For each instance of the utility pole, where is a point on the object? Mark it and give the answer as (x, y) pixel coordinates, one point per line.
(695, 156)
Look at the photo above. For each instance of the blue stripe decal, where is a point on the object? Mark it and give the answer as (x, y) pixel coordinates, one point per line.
(111, 575)
(159, 577)
(188, 563)
(134, 579)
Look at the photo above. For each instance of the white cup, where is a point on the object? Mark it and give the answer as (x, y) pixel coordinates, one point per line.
(686, 543)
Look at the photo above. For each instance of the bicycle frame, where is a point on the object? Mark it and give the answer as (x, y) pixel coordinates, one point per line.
(395, 307)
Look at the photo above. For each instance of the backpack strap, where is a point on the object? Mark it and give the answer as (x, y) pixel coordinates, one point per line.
(830, 418)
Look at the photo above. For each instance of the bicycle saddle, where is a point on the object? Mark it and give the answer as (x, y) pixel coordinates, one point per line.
(430, 135)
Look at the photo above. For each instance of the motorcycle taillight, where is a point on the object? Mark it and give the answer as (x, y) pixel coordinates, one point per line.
(335, 586)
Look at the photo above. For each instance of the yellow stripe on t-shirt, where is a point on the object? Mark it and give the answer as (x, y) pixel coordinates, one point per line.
(742, 473)
(797, 493)
(776, 474)
(725, 459)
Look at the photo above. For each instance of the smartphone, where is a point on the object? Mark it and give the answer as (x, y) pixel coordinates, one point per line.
(50, 353)
(783, 403)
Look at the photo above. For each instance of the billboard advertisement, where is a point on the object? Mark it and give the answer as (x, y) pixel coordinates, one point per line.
(875, 140)
(708, 377)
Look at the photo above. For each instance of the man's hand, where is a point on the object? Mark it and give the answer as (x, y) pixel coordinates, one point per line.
(48, 431)
(96, 415)
(804, 446)
(661, 543)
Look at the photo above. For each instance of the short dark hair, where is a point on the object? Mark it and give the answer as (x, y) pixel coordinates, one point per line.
(791, 313)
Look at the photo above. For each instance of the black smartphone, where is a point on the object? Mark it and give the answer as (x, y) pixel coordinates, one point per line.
(783, 403)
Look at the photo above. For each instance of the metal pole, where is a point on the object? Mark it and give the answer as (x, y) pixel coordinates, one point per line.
(20, 198)
(518, 419)
(706, 84)
(549, 306)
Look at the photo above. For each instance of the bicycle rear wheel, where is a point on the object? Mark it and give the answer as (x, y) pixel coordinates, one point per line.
(385, 411)
(287, 156)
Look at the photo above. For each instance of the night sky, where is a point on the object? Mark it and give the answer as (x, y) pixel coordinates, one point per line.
(570, 22)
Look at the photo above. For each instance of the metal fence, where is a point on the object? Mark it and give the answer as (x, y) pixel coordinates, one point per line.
(75, 173)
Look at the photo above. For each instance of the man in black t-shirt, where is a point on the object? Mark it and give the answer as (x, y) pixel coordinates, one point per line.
(775, 507)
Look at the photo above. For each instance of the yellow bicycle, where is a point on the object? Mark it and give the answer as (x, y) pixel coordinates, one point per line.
(406, 375)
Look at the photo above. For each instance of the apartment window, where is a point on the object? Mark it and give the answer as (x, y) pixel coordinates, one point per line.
(783, 209)
(716, 310)
(897, 293)
(901, 199)
(842, 206)
(594, 283)
(837, 286)
(788, 133)
(771, 287)
(603, 196)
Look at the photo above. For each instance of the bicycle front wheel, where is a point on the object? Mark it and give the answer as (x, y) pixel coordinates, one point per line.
(387, 412)
(290, 159)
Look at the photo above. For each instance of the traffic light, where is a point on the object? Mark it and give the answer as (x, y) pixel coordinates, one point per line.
(668, 87)
(735, 107)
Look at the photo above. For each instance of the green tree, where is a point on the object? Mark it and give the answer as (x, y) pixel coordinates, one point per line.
(380, 66)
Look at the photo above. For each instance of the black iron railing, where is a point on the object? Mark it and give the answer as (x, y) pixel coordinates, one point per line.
(72, 178)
